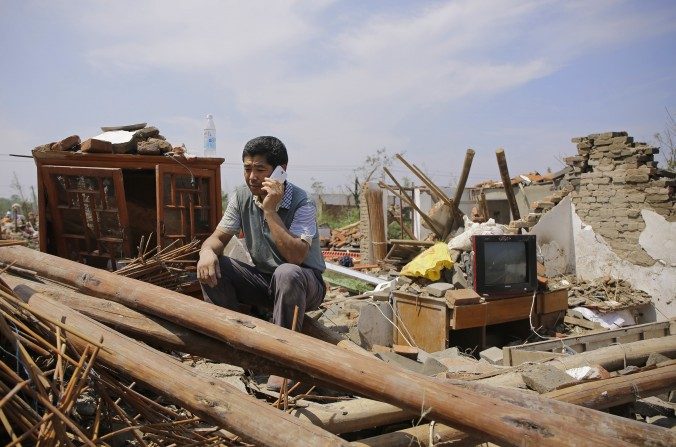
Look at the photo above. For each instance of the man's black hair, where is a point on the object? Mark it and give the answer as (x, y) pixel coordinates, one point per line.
(271, 148)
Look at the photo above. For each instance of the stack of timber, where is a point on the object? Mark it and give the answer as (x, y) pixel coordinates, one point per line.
(514, 417)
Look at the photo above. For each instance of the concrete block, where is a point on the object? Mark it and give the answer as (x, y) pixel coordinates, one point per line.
(373, 327)
(492, 355)
(459, 280)
(400, 360)
(460, 297)
(446, 353)
(432, 367)
(655, 358)
(438, 289)
(67, 144)
(545, 378)
(93, 146)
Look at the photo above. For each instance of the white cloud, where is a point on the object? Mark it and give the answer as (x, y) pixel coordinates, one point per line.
(338, 89)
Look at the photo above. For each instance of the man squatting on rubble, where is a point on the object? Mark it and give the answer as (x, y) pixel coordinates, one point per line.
(280, 230)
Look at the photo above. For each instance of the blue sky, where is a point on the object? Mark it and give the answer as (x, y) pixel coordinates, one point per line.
(337, 80)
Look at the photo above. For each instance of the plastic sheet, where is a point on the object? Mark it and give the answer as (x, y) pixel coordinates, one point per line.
(429, 263)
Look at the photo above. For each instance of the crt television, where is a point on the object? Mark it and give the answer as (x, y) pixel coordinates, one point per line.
(504, 265)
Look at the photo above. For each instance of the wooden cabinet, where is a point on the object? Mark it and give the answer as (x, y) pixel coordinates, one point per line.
(95, 208)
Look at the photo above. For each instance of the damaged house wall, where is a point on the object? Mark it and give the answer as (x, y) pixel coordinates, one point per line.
(614, 179)
(618, 221)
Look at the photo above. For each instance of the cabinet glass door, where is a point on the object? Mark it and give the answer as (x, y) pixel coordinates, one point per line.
(184, 204)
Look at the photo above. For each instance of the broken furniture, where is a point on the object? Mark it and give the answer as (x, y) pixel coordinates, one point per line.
(95, 208)
(428, 320)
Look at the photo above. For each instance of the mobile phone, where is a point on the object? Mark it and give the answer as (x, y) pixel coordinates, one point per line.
(279, 174)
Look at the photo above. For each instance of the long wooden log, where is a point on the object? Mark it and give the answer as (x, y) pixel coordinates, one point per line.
(598, 394)
(607, 393)
(159, 333)
(469, 156)
(434, 189)
(541, 423)
(616, 357)
(507, 183)
(214, 400)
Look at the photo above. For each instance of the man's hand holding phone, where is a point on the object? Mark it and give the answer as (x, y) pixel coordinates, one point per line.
(274, 188)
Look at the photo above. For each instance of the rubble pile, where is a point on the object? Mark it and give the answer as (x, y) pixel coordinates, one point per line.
(19, 229)
(346, 238)
(602, 294)
(164, 318)
(131, 139)
(614, 179)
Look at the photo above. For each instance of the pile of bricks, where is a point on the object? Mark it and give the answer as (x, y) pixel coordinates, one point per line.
(614, 179)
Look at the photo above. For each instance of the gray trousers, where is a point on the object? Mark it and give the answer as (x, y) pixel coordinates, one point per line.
(289, 286)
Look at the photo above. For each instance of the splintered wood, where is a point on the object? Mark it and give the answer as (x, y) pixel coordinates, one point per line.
(169, 267)
(57, 394)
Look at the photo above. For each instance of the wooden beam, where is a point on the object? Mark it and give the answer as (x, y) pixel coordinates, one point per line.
(598, 394)
(535, 419)
(377, 222)
(607, 393)
(214, 400)
(469, 156)
(507, 183)
(426, 180)
(163, 334)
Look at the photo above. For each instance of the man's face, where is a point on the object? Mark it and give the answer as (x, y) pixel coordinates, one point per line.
(256, 168)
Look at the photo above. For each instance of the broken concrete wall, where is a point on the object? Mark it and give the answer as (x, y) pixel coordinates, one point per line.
(570, 246)
(615, 179)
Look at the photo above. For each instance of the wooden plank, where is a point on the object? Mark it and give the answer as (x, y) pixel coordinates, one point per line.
(598, 394)
(424, 319)
(587, 342)
(513, 357)
(509, 309)
(473, 315)
(552, 301)
(581, 322)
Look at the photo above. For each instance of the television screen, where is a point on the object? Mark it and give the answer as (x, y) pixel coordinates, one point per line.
(505, 263)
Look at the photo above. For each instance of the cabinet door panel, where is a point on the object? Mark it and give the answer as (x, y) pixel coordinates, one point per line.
(89, 213)
(185, 204)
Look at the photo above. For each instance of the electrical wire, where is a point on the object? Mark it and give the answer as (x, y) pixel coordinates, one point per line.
(192, 176)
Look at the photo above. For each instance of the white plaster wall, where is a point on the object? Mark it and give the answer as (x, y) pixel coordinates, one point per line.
(659, 238)
(554, 234)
